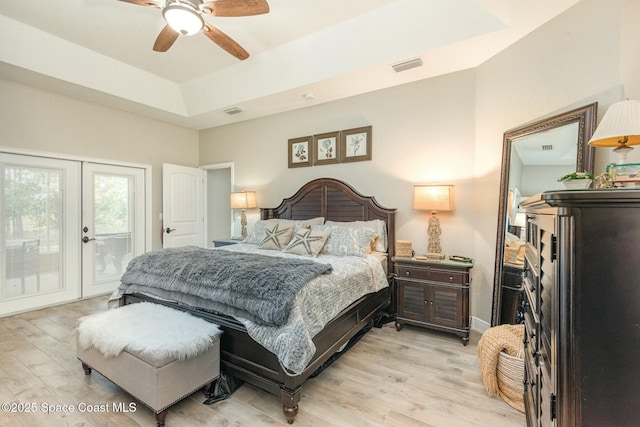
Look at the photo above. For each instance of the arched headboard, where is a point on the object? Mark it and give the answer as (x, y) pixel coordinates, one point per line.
(335, 201)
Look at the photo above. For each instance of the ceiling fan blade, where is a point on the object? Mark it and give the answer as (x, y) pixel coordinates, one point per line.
(152, 3)
(224, 41)
(165, 39)
(235, 7)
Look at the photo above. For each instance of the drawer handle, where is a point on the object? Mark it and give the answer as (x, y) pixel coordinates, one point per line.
(451, 278)
(408, 273)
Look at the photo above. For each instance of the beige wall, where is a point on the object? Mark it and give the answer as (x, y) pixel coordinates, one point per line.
(39, 120)
(422, 133)
(447, 129)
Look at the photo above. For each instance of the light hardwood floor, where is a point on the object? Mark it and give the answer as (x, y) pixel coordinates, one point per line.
(412, 378)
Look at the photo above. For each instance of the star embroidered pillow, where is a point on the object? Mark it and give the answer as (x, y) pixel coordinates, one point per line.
(277, 237)
(307, 242)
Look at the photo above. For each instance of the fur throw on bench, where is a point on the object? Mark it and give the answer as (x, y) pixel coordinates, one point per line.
(147, 328)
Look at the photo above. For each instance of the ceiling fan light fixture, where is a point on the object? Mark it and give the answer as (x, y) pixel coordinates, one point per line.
(183, 18)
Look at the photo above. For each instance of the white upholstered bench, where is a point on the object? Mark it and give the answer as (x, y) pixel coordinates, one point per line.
(157, 354)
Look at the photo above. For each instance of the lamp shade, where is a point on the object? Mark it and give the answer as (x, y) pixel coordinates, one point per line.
(433, 197)
(520, 219)
(243, 200)
(621, 120)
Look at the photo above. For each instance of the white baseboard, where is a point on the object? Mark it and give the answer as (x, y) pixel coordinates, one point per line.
(479, 325)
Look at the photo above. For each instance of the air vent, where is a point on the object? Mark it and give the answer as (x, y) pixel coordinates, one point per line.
(234, 110)
(547, 147)
(407, 65)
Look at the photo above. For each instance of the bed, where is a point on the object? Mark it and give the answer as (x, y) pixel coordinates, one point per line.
(244, 357)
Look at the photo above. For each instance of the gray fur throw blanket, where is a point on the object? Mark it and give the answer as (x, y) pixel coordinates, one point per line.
(257, 287)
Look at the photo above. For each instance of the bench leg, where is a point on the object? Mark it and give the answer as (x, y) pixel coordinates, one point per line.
(86, 368)
(160, 417)
(208, 390)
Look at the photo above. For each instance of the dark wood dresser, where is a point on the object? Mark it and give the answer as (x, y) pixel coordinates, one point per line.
(433, 294)
(582, 308)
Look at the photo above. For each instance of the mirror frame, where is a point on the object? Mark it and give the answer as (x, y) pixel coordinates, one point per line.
(586, 118)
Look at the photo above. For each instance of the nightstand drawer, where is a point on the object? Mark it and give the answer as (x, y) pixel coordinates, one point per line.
(427, 273)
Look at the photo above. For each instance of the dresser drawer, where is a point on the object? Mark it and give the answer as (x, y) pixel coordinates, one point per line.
(531, 335)
(430, 274)
(531, 391)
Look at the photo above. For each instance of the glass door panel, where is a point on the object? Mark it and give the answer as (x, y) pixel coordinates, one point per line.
(40, 200)
(113, 224)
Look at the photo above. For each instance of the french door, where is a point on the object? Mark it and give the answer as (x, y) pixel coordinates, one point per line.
(40, 217)
(67, 229)
(113, 223)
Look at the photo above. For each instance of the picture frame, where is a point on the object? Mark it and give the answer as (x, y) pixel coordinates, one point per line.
(301, 152)
(355, 144)
(326, 148)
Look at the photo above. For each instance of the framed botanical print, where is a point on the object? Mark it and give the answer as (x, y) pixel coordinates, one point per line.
(355, 144)
(301, 152)
(326, 146)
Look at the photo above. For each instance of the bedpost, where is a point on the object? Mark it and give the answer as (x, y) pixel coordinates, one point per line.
(290, 399)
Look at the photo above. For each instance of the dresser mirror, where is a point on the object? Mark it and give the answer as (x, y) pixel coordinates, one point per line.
(534, 156)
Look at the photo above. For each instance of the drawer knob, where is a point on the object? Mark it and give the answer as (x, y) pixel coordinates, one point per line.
(451, 278)
(408, 273)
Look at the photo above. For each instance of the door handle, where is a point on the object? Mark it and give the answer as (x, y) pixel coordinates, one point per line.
(85, 239)
(169, 230)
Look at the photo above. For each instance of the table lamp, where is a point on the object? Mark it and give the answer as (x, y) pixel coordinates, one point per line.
(243, 200)
(433, 198)
(620, 128)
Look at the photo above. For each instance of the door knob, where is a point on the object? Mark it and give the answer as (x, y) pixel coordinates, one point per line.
(169, 230)
(85, 239)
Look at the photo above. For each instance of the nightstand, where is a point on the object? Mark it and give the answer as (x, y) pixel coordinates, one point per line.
(433, 294)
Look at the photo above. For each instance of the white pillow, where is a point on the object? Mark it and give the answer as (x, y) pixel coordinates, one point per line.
(307, 242)
(257, 233)
(347, 241)
(378, 225)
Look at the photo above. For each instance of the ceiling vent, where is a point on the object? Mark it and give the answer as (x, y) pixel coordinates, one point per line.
(407, 65)
(547, 147)
(234, 110)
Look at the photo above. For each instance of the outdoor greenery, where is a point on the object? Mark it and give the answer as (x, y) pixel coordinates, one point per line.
(32, 203)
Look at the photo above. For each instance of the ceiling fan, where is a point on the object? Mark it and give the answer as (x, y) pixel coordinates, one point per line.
(185, 17)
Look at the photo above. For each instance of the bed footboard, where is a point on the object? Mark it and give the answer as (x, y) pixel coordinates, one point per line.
(247, 360)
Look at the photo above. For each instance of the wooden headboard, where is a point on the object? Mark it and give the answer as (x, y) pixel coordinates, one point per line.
(335, 201)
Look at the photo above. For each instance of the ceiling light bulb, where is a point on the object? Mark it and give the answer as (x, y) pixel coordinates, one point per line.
(183, 18)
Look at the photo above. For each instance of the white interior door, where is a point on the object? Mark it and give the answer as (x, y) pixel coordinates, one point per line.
(39, 232)
(183, 205)
(113, 224)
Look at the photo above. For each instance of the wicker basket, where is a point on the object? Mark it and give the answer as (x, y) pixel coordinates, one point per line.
(511, 374)
(404, 248)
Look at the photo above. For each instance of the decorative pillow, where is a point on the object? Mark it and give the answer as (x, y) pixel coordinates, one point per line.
(307, 242)
(378, 225)
(277, 237)
(257, 233)
(345, 241)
